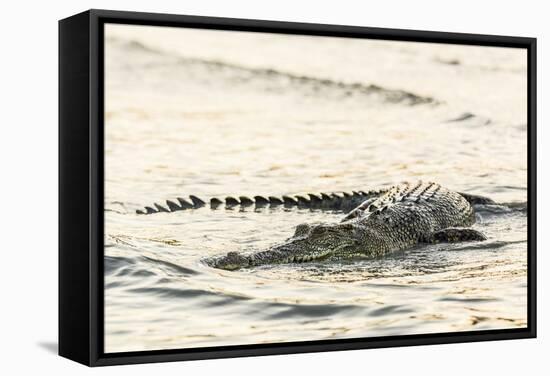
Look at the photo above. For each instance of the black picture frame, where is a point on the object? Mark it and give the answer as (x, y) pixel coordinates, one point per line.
(81, 310)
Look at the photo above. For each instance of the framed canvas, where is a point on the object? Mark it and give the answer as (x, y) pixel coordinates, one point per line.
(234, 187)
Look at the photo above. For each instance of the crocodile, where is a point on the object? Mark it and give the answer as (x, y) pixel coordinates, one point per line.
(387, 220)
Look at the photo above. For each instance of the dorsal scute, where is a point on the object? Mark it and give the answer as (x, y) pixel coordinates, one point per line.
(406, 193)
(419, 192)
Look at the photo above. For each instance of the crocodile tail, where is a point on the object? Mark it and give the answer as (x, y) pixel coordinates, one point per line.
(335, 201)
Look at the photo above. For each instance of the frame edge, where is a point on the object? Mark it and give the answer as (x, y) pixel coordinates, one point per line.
(74, 165)
(86, 347)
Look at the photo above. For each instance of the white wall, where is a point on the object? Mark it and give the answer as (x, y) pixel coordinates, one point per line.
(28, 268)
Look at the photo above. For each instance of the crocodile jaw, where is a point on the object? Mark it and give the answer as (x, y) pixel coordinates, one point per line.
(277, 255)
(305, 257)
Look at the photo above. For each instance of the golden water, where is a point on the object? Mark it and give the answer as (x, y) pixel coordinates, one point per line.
(216, 113)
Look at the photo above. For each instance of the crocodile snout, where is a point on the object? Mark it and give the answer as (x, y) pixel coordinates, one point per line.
(231, 261)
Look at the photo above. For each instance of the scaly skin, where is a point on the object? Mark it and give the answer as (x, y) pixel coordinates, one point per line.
(398, 218)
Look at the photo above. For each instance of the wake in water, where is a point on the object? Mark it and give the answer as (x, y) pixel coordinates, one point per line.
(212, 72)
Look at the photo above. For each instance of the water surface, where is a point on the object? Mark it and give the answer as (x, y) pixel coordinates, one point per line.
(224, 113)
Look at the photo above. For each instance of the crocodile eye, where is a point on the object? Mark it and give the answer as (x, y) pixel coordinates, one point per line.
(346, 227)
(318, 230)
(302, 229)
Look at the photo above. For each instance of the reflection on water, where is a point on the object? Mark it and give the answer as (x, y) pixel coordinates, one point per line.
(223, 113)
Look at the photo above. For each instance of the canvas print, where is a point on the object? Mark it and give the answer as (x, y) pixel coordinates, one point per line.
(269, 188)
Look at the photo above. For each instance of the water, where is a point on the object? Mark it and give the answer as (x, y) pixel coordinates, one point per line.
(224, 113)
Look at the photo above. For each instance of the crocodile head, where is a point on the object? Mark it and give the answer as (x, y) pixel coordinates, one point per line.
(309, 243)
